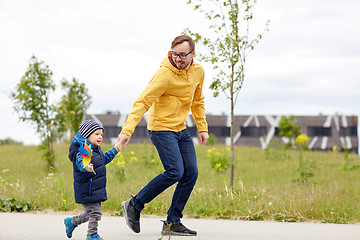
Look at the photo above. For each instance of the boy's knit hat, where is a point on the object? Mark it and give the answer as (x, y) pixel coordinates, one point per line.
(87, 127)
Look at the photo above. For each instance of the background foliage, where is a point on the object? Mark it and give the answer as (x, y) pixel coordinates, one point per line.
(31, 98)
(267, 185)
(230, 22)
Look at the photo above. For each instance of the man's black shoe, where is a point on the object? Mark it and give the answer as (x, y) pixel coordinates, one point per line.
(132, 216)
(177, 230)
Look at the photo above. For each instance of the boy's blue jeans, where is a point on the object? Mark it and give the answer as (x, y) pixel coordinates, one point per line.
(177, 154)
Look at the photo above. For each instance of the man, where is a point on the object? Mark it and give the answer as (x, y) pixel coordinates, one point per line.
(174, 90)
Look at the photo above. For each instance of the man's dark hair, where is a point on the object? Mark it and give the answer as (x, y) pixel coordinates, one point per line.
(183, 38)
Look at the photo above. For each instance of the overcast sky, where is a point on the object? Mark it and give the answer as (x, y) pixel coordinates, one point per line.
(307, 64)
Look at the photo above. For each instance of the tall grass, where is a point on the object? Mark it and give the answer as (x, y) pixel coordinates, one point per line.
(266, 187)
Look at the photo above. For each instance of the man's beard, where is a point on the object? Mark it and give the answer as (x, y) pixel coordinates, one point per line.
(181, 65)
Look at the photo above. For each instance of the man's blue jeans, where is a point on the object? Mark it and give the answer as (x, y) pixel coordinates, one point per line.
(177, 154)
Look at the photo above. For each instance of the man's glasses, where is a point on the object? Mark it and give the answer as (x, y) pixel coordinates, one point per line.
(182, 56)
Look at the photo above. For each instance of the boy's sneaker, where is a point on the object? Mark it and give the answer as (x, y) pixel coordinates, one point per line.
(94, 236)
(132, 216)
(69, 227)
(176, 230)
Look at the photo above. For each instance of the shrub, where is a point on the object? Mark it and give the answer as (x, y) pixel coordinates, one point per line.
(9, 141)
(290, 129)
(220, 160)
(305, 170)
(11, 204)
(211, 140)
(302, 141)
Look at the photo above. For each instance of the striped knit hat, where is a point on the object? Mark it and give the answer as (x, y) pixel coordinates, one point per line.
(87, 127)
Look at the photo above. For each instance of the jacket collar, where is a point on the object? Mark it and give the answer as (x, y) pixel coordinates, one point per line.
(79, 140)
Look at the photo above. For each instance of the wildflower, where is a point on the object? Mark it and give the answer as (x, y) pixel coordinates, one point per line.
(49, 176)
(335, 148)
(270, 203)
(133, 159)
(302, 140)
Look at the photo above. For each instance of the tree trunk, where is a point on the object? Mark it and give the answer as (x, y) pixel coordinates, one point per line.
(50, 154)
(232, 137)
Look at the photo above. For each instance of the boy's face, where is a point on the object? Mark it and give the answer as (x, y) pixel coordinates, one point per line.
(96, 137)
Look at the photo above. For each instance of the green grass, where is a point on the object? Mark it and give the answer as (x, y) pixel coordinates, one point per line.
(267, 186)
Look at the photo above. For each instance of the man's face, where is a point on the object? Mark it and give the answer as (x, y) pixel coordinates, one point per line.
(182, 49)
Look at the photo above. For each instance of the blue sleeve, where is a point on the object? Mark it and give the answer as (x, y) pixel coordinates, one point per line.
(79, 162)
(109, 155)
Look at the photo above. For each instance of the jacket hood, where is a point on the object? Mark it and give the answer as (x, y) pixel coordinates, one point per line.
(79, 140)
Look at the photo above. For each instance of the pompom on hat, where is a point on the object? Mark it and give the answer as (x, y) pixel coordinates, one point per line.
(87, 127)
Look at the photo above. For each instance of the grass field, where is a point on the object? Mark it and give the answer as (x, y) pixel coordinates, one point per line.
(274, 184)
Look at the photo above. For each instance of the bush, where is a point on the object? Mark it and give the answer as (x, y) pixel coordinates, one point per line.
(290, 129)
(9, 141)
(211, 140)
(220, 160)
(302, 141)
(11, 204)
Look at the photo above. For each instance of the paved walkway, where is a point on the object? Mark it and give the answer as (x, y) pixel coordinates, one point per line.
(24, 226)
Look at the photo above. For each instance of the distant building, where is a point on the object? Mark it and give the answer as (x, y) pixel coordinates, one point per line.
(324, 131)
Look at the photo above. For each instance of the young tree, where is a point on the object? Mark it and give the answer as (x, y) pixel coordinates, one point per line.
(290, 129)
(74, 103)
(228, 48)
(31, 102)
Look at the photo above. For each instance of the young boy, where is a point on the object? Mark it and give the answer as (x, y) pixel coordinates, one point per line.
(89, 180)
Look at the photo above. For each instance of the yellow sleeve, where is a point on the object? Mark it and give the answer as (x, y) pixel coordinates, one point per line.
(156, 87)
(198, 107)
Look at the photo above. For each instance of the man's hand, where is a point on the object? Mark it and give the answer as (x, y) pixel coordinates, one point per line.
(123, 138)
(203, 137)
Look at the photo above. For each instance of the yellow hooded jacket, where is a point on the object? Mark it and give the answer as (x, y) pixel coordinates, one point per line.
(170, 95)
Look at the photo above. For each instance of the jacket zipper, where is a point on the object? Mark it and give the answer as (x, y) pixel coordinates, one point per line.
(90, 186)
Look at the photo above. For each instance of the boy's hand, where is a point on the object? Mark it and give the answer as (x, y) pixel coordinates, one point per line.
(90, 167)
(117, 146)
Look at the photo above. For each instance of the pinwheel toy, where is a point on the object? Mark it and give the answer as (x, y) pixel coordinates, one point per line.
(86, 153)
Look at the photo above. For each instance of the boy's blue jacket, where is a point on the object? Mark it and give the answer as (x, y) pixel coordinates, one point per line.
(89, 187)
